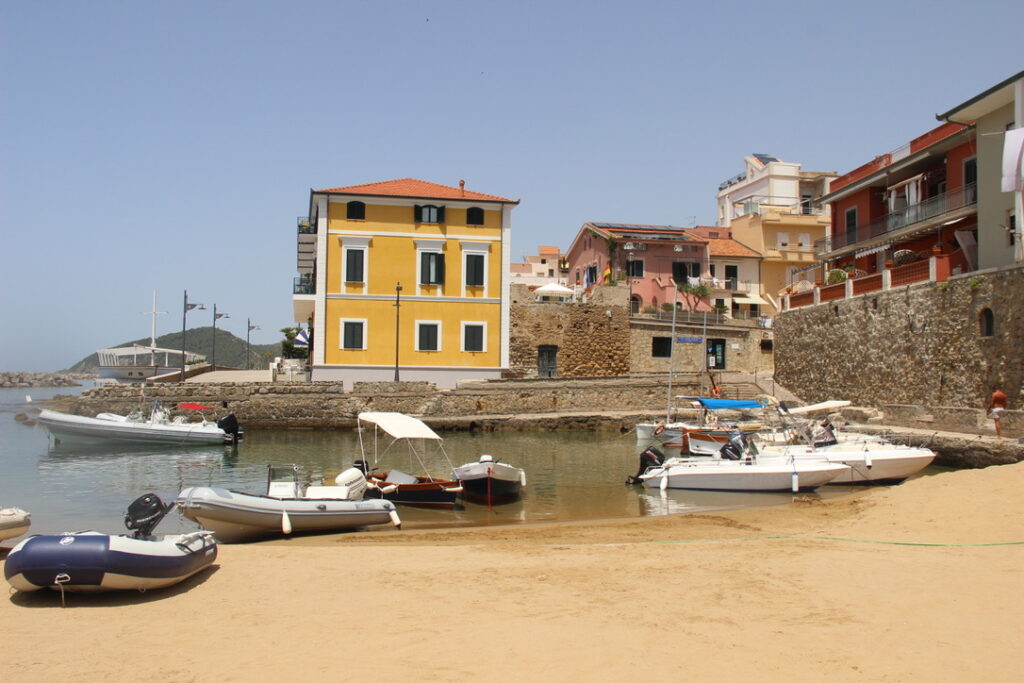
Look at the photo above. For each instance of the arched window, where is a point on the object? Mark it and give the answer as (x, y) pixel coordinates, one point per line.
(356, 211)
(987, 322)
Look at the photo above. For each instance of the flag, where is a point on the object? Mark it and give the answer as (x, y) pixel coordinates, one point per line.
(607, 274)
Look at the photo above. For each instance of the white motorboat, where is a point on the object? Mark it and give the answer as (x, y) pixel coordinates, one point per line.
(867, 462)
(713, 474)
(13, 522)
(157, 427)
(490, 482)
(704, 436)
(288, 506)
(89, 561)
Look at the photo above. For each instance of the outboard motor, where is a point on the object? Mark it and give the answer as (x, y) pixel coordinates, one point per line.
(229, 423)
(733, 450)
(144, 513)
(650, 457)
(362, 465)
(824, 435)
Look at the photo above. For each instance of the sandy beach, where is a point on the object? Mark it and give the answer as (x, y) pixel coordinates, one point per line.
(922, 581)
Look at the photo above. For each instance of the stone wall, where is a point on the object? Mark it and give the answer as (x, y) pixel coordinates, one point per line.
(743, 350)
(920, 344)
(592, 337)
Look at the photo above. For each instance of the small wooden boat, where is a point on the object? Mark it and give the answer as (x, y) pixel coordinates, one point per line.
(420, 490)
(13, 522)
(89, 561)
(490, 482)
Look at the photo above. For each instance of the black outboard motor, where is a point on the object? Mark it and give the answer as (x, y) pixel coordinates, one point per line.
(824, 435)
(651, 457)
(229, 423)
(734, 449)
(144, 513)
(362, 465)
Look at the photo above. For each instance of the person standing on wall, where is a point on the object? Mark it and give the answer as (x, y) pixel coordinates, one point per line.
(996, 408)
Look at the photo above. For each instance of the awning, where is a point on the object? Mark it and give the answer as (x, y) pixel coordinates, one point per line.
(871, 250)
(400, 425)
(301, 340)
(753, 299)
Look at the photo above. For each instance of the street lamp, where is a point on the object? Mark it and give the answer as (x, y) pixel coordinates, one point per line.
(398, 303)
(213, 353)
(184, 311)
(249, 327)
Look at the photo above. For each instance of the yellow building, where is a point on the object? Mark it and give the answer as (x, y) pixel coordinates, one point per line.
(405, 279)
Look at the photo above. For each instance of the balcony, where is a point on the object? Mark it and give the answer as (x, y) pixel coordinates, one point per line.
(304, 285)
(930, 212)
(762, 204)
(306, 245)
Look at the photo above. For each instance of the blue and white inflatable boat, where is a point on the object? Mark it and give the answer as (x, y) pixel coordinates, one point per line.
(90, 561)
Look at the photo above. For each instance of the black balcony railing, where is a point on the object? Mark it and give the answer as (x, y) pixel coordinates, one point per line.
(306, 225)
(930, 209)
(303, 285)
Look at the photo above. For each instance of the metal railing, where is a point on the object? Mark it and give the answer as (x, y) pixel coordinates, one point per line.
(303, 285)
(306, 226)
(931, 208)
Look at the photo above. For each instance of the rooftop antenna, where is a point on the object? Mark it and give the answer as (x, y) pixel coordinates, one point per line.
(690, 222)
(154, 313)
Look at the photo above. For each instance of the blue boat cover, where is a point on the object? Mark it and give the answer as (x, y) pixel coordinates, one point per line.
(728, 404)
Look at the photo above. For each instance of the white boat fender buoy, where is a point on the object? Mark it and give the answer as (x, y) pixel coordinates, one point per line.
(393, 514)
(664, 482)
(390, 488)
(796, 481)
(522, 477)
(867, 459)
(286, 522)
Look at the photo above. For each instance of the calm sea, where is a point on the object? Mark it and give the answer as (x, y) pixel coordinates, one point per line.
(570, 476)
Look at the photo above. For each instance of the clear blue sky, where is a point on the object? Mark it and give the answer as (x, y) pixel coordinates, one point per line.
(171, 145)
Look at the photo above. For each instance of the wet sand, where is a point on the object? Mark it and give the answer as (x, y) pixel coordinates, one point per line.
(895, 584)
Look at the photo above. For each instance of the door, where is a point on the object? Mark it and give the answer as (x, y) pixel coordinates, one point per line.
(732, 277)
(716, 354)
(547, 361)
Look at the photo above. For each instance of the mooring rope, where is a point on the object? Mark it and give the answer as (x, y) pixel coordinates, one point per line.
(840, 539)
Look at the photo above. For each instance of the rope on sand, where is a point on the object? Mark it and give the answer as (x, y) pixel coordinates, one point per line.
(846, 540)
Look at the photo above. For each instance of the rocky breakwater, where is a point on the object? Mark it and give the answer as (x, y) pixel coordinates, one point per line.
(10, 380)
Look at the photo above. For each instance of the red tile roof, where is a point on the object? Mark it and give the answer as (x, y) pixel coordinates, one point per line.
(729, 247)
(419, 189)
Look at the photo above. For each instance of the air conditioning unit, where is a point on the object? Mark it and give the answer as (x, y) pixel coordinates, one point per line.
(677, 247)
(628, 246)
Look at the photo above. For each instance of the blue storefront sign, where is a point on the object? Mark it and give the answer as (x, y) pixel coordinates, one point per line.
(689, 340)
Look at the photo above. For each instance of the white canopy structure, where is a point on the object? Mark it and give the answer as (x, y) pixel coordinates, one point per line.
(553, 289)
(400, 425)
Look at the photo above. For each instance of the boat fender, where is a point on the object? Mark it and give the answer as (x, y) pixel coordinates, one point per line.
(454, 489)
(664, 482)
(393, 514)
(286, 522)
(390, 488)
(659, 429)
(796, 482)
(522, 478)
(867, 459)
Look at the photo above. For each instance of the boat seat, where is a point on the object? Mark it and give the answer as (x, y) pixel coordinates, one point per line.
(337, 492)
(398, 477)
(281, 489)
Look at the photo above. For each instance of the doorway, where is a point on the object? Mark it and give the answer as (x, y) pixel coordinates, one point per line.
(716, 354)
(547, 361)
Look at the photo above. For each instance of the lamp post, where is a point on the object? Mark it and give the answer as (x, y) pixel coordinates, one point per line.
(249, 327)
(184, 311)
(213, 353)
(398, 303)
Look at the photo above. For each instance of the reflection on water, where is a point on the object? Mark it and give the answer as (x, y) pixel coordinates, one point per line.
(569, 475)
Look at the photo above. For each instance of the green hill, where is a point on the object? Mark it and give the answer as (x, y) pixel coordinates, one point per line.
(230, 350)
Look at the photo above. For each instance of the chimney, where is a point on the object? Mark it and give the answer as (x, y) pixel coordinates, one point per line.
(462, 187)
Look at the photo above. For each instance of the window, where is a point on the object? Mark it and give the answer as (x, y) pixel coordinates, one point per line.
(354, 265)
(474, 216)
(804, 240)
(473, 335)
(355, 211)
(783, 240)
(851, 225)
(684, 269)
(987, 322)
(1011, 229)
(732, 277)
(428, 336)
(428, 213)
(474, 270)
(352, 334)
(591, 276)
(431, 268)
(634, 268)
(661, 347)
(713, 235)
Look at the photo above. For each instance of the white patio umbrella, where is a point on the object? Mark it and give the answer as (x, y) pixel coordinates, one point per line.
(553, 289)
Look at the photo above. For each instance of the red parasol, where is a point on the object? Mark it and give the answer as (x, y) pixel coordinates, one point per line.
(194, 406)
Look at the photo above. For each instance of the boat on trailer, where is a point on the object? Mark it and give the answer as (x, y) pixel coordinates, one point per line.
(290, 505)
(155, 427)
(412, 434)
(13, 522)
(490, 482)
(90, 561)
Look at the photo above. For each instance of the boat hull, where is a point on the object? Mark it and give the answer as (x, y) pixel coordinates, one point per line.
(870, 466)
(490, 483)
(13, 522)
(727, 475)
(425, 493)
(92, 562)
(65, 427)
(236, 517)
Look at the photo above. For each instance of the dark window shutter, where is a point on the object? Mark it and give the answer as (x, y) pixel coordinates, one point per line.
(425, 268)
(440, 269)
(354, 266)
(474, 216)
(440, 214)
(417, 213)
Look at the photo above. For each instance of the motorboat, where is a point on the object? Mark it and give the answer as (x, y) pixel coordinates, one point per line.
(868, 461)
(13, 522)
(289, 506)
(155, 427)
(490, 482)
(90, 561)
(416, 438)
(705, 435)
(735, 469)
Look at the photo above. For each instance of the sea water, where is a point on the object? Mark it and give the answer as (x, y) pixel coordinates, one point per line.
(570, 475)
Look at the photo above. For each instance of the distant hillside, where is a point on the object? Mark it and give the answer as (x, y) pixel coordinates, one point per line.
(230, 350)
